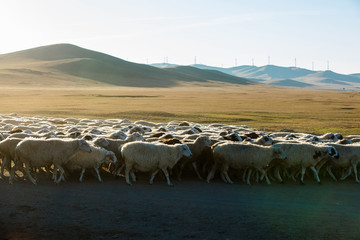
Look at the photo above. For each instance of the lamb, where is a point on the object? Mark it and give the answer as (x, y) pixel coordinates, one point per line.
(85, 160)
(304, 155)
(243, 156)
(7, 149)
(152, 157)
(41, 153)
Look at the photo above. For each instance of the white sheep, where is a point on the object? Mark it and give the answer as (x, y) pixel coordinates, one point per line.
(26, 135)
(152, 157)
(7, 149)
(243, 156)
(349, 157)
(38, 153)
(303, 156)
(90, 160)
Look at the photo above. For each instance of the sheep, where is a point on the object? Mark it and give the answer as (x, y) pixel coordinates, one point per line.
(304, 155)
(41, 153)
(118, 135)
(26, 135)
(196, 148)
(152, 157)
(243, 156)
(7, 149)
(94, 159)
(264, 140)
(349, 157)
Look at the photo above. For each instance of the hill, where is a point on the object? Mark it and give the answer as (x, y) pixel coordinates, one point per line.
(292, 76)
(70, 65)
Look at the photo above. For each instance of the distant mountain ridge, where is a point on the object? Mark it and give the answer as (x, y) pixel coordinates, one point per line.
(292, 76)
(70, 64)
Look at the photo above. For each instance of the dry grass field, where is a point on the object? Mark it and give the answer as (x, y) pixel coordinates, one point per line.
(265, 107)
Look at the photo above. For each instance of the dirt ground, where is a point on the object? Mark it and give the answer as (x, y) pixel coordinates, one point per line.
(189, 210)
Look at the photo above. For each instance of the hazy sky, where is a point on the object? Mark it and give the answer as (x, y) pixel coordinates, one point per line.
(215, 31)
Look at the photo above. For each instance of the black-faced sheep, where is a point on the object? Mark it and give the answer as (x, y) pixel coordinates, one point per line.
(301, 156)
(349, 157)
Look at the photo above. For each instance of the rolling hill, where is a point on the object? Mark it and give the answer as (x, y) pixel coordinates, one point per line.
(291, 76)
(70, 65)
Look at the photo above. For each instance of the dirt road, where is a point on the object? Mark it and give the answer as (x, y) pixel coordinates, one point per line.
(190, 210)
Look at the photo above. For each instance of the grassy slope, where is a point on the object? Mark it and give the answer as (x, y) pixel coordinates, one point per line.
(71, 63)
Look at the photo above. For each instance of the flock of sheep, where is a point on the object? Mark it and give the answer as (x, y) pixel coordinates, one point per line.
(66, 146)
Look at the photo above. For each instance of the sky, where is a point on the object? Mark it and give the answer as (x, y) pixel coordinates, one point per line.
(221, 33)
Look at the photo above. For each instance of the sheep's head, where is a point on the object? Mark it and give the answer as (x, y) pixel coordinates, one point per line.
(135, 137)
(84, 146)
(185, 150)
(118, 135)
(264, 140)
(101, 142)
(110, 156)
(203, 140)
(333, 152)
(278, 153)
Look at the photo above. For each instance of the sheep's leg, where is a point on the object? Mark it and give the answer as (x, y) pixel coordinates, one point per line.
(153, 176)
(196, 171)
(346, 175)
(227, 177)
(165, 171)
(211, 173)
(271, 176)
(315, 173)
(277, 174)
(328, 169)
(82, 174)
(224, 174)
(133, 177)
(4, 161)
(257, 177)
(127, 177)
(320, 165)
(248, 177)
(98, 174)
(303, 170)
(355, 172)
(27, 170)
(264, 174)
(244, 175)
(61, 174)
(12, 174)
(54, 177)
(117, 173)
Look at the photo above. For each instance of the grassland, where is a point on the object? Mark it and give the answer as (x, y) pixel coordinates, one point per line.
(264, 107)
